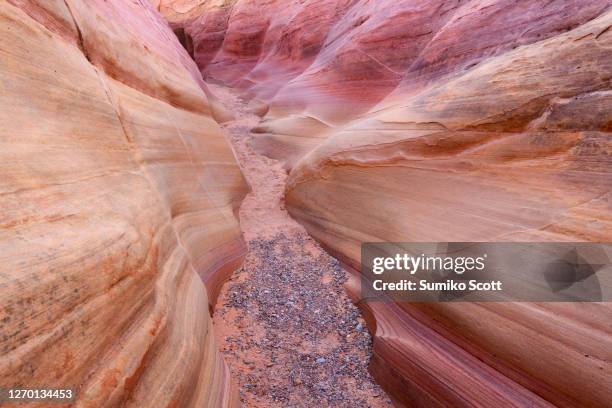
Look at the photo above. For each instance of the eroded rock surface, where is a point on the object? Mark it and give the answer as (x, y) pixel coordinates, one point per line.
(439, 121)
(117, 198)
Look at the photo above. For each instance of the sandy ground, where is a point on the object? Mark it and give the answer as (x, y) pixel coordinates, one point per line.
(286, 327)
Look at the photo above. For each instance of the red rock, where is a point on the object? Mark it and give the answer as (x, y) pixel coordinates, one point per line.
(411, 120)
(118, 193)
(436, 121)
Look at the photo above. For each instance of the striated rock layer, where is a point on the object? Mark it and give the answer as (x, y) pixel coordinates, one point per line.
(427, 120)
(117, 200)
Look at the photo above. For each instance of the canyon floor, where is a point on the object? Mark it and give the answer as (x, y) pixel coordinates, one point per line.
(284, 323)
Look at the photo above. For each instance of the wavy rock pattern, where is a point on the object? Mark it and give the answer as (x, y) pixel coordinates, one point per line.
(118, 189)
(322, 63)
(433, 120)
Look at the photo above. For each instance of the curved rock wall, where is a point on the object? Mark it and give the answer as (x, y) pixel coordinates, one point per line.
(117, 200)
(321, 63)
(482, 120)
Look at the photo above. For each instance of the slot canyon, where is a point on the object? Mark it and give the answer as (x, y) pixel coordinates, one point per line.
(185, 186)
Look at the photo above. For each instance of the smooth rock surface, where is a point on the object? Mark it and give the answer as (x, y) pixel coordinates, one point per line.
(118, 196)
(319, 64)
(482, 120)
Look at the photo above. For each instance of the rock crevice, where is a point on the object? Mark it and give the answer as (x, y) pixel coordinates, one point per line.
(438, 121)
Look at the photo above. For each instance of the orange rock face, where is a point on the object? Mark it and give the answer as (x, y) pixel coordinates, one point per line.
(414, 120)
(117, 201)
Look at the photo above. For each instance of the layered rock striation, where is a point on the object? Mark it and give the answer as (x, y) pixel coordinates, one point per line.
(117, 200)
(482, 120)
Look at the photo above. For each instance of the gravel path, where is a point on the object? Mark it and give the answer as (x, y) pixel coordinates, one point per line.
(288, 330)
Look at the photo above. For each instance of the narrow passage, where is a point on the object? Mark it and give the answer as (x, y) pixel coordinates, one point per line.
(286, 327)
